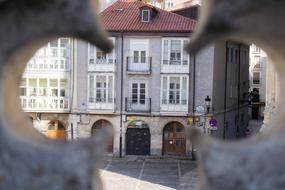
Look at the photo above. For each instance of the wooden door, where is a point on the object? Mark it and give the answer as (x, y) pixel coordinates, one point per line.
(174, 139)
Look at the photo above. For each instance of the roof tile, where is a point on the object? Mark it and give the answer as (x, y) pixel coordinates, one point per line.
(124, 16)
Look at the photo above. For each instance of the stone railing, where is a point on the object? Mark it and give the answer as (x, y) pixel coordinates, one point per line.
(30, 161)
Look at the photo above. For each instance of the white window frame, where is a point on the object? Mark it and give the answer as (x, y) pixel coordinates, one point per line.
(108, 55)
(95, 88)
(43, 60)
(139, 82)
(48, 98)
(142, 15)
(169, 49)
(181, 87)
(259, 77)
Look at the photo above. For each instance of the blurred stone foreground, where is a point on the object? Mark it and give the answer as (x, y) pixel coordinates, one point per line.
(27, 159)
(30, 161)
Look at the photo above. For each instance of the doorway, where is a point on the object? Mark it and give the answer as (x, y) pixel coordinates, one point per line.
(174, 139)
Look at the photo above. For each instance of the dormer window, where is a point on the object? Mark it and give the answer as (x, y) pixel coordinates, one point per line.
(145, 15)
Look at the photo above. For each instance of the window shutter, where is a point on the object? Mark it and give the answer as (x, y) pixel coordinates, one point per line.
(165, 57)
(186, 57)
(164, 90)
(111, 56)
(91, 54)
(184, 91)
(91, 88)
(110, 89)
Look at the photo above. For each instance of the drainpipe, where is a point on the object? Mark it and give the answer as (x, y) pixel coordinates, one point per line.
(72, 78)
(122, 92)
(238, 100)
(225, 95)
(194, 83)
(193, 103)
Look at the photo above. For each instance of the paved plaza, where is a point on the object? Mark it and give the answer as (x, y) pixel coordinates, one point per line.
(149, 174)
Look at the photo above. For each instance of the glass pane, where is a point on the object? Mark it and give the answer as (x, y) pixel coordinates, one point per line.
(61, 127)
(165, 52)
(54, 43)
(136, 56)
(110, 89)
(91, 53)
(64, 42)
(91, 89)
(53, 83)
(164, 90)
(143, 57)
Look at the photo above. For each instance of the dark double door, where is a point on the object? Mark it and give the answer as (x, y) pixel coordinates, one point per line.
(138, 141)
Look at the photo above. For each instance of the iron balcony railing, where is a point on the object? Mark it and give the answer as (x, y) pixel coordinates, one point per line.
(101, 100)
(174, 101)
(175, 62)
(138, 105)
(101, 61)
(139, 64)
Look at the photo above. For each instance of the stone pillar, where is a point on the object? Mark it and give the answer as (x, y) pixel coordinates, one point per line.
(116, 147)
(156, 142)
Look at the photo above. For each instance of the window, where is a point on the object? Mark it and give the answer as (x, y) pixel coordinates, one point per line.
(97, 56)
(170, 4)
(91, 89)
(101, 88)
(256, 49)
(63, 87)
(23, 87)
(138, 93)
(139, 56)
(256, 77)
(53, 87)
(256, 59)
(145, 15)
(174, 90)
(174, 53)
(43, 87)
(32, 87)
(136, 56)
(100, 54)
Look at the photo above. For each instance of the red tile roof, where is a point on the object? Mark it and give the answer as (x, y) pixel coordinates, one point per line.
(124, 16)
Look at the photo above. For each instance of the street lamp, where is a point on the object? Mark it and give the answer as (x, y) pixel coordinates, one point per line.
(208, 103)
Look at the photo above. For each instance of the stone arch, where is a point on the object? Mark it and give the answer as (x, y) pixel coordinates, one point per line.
(99, 124)
(174, 139)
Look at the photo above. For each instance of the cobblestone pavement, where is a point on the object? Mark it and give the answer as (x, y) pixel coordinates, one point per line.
(149, 174)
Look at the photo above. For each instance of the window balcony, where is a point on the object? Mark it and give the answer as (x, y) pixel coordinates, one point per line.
(102, 65)
(44, 103)
(135, 105)
(175, 66)
(139, 65)
(101, 104)
(174, 106)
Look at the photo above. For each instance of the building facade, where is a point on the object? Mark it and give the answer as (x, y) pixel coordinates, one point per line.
(257, 70)
(45, 89)
(149, 91)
